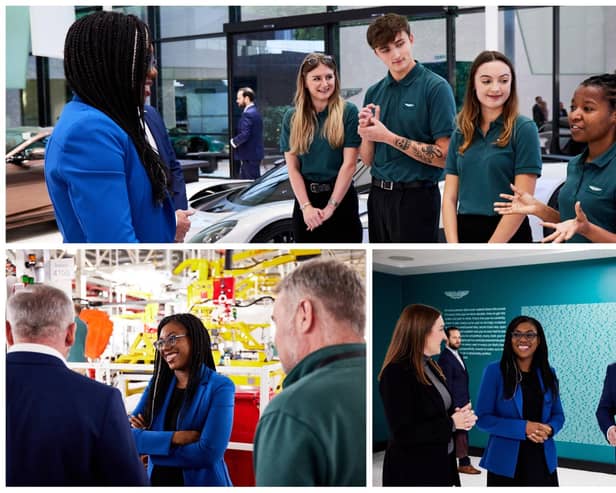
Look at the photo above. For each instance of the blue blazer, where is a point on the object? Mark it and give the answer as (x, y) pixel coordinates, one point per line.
(607, 404)
(249, 140)
(63, 429)
(502, 419)
(100, 191)
(167, 154)
(211, 411)
(457, 377)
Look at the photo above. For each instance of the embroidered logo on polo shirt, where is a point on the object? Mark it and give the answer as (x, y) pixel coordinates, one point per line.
(409, 105)
(592, 188)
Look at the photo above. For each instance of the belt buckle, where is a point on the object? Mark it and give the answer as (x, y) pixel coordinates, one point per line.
(387, 185)
(313, 188)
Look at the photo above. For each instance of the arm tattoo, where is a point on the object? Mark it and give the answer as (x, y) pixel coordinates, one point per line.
(426, 153)
(402, 143)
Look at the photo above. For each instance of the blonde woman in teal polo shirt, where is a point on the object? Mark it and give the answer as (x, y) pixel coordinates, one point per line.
(492, 147)
(591, 176)
(320, 144)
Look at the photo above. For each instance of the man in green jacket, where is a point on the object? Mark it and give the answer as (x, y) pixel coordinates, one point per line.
(314, 432)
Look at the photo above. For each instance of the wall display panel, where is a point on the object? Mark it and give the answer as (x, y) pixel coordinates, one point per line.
(574, 301)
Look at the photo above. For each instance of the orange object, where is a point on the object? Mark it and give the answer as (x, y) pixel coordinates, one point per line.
(100, 328)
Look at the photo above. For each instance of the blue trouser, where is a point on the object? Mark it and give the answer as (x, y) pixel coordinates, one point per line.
(249, 170)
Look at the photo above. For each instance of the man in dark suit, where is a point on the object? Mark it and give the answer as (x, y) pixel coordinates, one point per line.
(248, 143)
(452, 364)
(62, 429)
(158, 138)
(606, 411)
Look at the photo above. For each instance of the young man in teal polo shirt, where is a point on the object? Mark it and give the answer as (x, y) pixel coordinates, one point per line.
(405, 125)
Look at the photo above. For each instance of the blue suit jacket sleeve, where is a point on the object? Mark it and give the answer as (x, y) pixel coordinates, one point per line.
(150, 441)
(167, 153)
(99, 190)
(118, 458)
(244, 128)
(607, 403)
(489, 398)
(215, 433)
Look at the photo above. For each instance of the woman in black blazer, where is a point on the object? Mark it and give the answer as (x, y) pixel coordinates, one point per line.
(418, 406)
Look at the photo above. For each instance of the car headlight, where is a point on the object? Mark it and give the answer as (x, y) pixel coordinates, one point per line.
(214, 233)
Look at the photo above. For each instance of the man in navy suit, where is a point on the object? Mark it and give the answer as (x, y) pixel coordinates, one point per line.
(158, 138)
(62, 429)
(452, 364)
(248, 143)
(606, 411)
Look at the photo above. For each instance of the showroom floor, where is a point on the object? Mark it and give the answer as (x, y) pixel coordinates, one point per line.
(566, 477)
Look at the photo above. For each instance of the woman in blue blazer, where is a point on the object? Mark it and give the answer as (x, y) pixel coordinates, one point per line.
(106, 183)
(184, 418)
(519, 406)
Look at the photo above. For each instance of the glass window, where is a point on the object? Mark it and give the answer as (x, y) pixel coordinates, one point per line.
(530, 52)
(193, 76)
(468, 46)
(29, 96)
(186, 21)
(141, 12)
(58, 88)
(251, 13)
(268, 62)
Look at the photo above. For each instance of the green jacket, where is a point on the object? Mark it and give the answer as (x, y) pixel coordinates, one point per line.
(314, 432)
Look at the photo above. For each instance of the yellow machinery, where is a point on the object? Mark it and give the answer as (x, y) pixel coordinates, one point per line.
(233, 342)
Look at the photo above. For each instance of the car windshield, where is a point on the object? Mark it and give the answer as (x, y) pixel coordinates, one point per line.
(271, 187)
(14, 137)
(274, 186)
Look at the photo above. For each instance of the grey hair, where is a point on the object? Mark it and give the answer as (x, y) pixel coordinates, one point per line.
(337, 286)
(39, 312)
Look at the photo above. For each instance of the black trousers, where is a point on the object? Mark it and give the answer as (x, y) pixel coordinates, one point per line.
(343, 227)
(404, 216)
(473, 228)
(250, 170)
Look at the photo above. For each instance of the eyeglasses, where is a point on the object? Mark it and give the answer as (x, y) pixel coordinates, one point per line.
(529, 336)
(169, 341)
(152, 63)
(317, 58)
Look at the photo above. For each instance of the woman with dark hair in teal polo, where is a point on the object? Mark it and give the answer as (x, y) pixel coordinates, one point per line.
(591, 176)
(519, 406)
(492, 147)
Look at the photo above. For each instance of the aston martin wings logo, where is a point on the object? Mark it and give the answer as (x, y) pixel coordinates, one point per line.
(456, 295)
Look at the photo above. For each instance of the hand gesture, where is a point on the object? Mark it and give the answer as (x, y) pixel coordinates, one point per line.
(611, 435)
(464, 418)
(182, 224)
(537, 432)
(137, 421)
(184, 437)
(567, 229)
(328, 212)
(519, 203)
(365, 115)
(313, 217)
(374, 131)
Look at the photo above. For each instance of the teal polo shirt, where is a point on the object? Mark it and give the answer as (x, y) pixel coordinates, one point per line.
(594, 185)
(322, 162)
(486, 170)
(419, 107)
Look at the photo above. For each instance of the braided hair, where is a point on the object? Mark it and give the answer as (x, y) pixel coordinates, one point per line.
(607, 82)
(106, 57)
(201, 354)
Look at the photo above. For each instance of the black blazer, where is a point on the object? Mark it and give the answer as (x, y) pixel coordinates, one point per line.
(420, 429)
(457, 377)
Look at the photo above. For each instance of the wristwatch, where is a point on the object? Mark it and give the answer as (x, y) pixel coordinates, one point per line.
(333, 202)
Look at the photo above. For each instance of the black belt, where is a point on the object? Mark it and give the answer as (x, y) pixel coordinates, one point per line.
(402, 185)
(319, 187)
